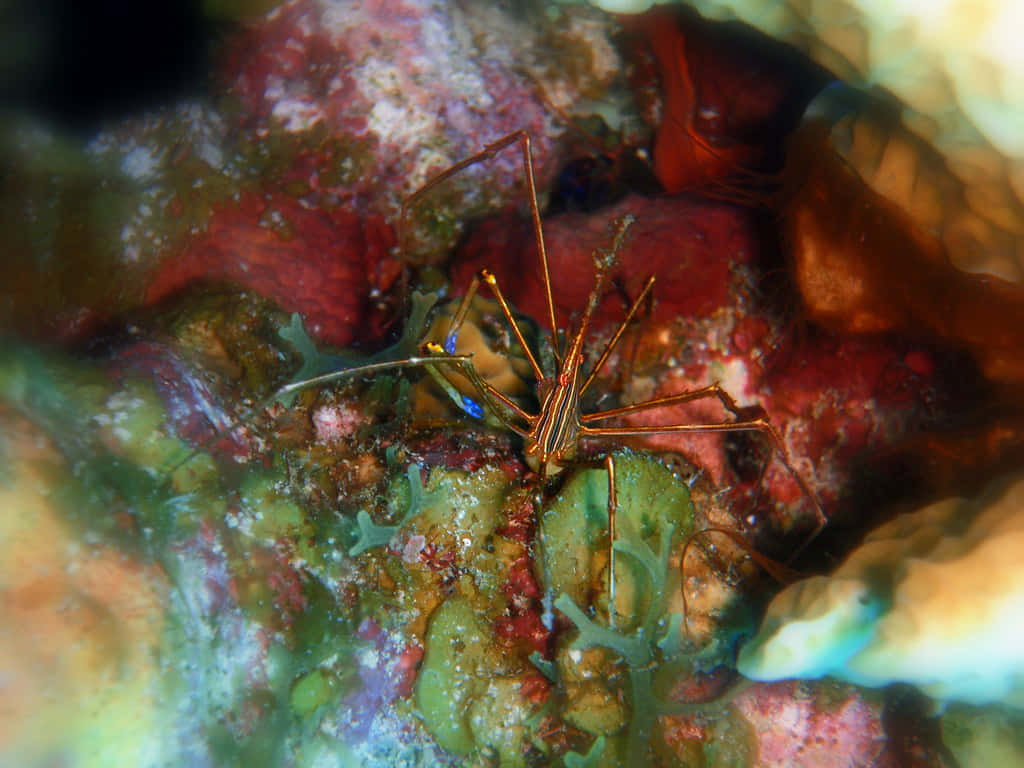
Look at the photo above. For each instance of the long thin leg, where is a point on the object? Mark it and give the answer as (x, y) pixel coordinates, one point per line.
(327, 378)
(759, 424)
(489, 394)
(618, 333)
(459, 318)
(462, 312)
(488, 152)
(362, 370)
(492, 281)
(613, 505)
(713, 390)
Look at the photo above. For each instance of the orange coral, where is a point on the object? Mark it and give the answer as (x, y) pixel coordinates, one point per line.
(862, 265)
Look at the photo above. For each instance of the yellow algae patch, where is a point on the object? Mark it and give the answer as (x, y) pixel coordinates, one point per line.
(80, 624)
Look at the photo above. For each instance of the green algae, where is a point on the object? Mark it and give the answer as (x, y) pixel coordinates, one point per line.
(311, 692)
(654, 510)
(463, 519)
(453, 672)
(653, 516)
(323, 366)
(469, 692)
(372, 535)
(465, 673)
(272, 513)
(592, 759)
(464, 693)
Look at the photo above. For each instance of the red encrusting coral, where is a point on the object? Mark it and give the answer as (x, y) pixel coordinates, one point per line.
(526, 628)
(690, 244)
(375, 79)
(466, 452)
(323, 264)
(291, 56)
(795, 724)
(285, 583)
(523, 623)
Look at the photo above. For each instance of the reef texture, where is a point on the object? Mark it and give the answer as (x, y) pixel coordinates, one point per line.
(958, 78)
(833, 401)
(209, 560)
(325, 117)
(907, 605)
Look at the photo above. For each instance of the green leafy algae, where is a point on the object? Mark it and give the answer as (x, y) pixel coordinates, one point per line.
(372, 535)
(317, 364)
(311, 691)
(654, 513)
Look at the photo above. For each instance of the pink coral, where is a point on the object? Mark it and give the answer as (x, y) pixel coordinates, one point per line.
(334, 423)
(797, 726)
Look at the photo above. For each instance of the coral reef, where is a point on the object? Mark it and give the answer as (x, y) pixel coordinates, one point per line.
(931, 598)
(872, 269)
(209, 559)
(298, 164)
(709, 322)
(326, 264)
(959, 91)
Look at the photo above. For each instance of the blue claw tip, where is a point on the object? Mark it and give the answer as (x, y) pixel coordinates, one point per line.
(472, 407)
(449, 343)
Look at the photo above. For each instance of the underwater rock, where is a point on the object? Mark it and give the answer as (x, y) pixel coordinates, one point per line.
(323, 264)
(414, 87)
(803, 726)
(192, 410)
(729, 98)
(932, 598)
(864, 266)
(81, 625)
(834, 399)
(979, 233)
(680, 241)
(323, 117)
(983, 737)
(307, 589)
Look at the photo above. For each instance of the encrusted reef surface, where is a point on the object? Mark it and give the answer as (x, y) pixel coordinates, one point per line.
(206, 562)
